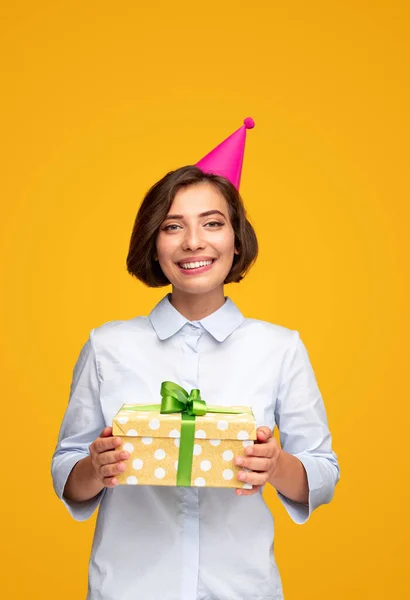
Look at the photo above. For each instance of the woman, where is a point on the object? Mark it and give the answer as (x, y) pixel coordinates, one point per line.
(178, 543)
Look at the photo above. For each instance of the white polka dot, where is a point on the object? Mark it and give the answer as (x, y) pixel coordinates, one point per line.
(205, 465)
(159, 454)
(247, 443)
(122, 420)
(200, 434)
(243, 435)
(222, 425)
(247, 486)
(146, 440)
(215, 442)
(227, 455)
(159, 473)
(128, 447)
(200, 481)
(176, 465)
(132, 432)
(197, 450)
(131, 480)
(227, 474)
(174, 433)
(154, 424)
(176, 442)
(137, 464)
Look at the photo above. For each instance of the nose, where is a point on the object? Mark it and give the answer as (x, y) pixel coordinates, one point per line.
(193, 239)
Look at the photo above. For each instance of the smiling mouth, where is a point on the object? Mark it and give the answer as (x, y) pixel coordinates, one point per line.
(196, 267)
(187, 266)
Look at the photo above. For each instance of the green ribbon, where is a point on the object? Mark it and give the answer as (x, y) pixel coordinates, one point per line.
(177, 400)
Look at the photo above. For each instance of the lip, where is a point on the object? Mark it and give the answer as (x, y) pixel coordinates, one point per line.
(195, 259)
(198, 270)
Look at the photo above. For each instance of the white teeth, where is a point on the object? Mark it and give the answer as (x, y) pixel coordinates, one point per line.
(195, 265)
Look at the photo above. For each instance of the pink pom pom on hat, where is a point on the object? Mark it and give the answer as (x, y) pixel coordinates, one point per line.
(227, 158)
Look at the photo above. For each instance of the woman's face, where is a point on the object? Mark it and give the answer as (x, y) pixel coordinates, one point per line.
(196, 241)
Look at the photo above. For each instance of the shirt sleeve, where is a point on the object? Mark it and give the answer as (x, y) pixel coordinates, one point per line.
(302, 422)
(82, 423)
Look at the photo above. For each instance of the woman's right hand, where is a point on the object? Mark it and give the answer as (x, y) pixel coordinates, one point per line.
(106, 459)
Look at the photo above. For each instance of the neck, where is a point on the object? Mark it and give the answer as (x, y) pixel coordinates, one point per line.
(195, 307)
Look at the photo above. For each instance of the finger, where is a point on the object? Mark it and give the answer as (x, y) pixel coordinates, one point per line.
(103, 444)
(253, 477)
(263, 434)
(111, 457)
(112, 470)
(254, 463)
(110, 482)
(106, 432)
(268, 449)
(242, 492)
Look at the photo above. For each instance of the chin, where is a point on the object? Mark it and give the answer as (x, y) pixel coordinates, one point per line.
(196, 286)
(199, 284)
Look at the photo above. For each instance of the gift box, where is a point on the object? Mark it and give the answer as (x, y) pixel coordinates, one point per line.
(183, 441)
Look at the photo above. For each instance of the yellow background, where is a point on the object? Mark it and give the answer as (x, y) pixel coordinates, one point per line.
(99, 100)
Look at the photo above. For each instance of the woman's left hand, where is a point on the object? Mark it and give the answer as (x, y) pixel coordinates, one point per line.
(261, 458)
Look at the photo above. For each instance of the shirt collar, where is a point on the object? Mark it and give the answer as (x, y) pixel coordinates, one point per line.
(167, 321)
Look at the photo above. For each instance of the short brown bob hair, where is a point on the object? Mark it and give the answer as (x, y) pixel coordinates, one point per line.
(154, 208)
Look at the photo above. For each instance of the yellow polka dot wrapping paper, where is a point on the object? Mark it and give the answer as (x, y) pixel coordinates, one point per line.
(153, 442)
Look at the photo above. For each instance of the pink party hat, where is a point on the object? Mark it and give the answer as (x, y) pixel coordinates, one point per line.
(227, 158)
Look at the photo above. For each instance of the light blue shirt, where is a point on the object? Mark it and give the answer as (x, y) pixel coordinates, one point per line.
(173, 543)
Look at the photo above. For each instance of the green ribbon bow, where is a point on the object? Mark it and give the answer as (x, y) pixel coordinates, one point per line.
(177, 400)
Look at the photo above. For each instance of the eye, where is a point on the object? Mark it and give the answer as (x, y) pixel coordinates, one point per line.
(214, 224)
(172, 227)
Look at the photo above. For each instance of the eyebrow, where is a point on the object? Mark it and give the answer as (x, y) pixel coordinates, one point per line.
(204, 214)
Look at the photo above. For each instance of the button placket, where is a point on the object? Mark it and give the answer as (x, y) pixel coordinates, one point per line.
(190, 496)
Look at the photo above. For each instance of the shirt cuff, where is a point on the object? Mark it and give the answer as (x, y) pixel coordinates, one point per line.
(80, 511)
(320, 489)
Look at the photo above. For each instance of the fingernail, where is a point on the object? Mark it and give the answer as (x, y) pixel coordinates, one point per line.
(248, 450)
(242, 476)
(238, 492)
(125, 455)
(239, 461)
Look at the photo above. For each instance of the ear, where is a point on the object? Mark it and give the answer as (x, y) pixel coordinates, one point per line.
(236, 251)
